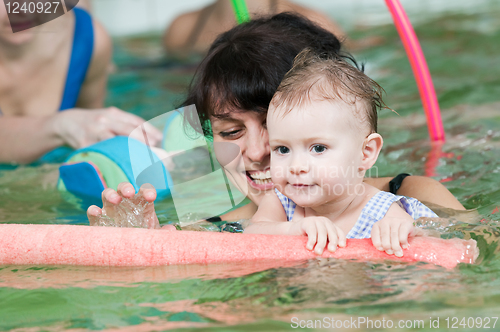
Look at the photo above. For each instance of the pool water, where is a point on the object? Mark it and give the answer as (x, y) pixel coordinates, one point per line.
(462, 52)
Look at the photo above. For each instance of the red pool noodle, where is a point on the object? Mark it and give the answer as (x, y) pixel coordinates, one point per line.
(420, 70)
(108, 246)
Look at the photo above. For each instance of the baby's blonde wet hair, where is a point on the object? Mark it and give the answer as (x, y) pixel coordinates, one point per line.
(325, 77)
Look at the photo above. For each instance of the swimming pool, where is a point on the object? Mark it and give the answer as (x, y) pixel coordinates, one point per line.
(462, 51)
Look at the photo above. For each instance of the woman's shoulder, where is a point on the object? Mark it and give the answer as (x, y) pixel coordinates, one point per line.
(180, 29)
(92, 92)
(102, 49)
(317, 17)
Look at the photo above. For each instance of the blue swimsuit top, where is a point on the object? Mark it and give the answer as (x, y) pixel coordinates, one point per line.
(81, 54)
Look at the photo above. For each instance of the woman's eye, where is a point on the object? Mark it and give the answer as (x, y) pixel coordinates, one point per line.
(282, 150)
(230, 134)
(319, 148)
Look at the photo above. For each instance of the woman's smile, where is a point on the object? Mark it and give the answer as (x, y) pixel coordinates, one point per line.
(260, 180)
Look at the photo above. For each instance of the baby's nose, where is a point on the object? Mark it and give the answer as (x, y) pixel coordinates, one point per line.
(298, 166)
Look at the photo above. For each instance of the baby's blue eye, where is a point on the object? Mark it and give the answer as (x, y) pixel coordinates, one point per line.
(319, 148)
(282, 150)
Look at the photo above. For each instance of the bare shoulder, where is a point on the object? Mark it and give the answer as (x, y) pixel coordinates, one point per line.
(93, 90)
(85, 4)
(318, 18)
(179, 30)
(103, 49)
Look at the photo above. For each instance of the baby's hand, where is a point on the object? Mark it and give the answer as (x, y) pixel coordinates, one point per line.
(391, 233)
(319, 230)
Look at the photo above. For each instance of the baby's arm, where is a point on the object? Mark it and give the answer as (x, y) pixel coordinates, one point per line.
(271, 218)
(391, 233)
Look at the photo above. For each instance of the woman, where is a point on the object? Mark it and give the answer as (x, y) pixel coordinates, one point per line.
(232, 89)
(61, 65)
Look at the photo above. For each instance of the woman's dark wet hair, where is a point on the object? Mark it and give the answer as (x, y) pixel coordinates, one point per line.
(245, 65)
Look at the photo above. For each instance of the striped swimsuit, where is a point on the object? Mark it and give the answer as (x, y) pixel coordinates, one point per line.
(374, 210)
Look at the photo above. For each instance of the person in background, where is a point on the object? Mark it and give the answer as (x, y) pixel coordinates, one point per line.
(85, 4)
(194, 32)
(52, 86)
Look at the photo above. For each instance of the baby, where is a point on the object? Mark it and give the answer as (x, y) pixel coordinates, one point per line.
(322, 125)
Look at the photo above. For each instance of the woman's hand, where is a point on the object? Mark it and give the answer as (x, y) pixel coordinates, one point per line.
(111, 200)
(80, 128)
(318, 231)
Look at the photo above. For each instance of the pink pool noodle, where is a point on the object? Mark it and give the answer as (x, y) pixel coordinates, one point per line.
(109, 246)
(420, 70)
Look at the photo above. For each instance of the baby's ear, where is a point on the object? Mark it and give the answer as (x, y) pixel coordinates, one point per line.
(371, 148)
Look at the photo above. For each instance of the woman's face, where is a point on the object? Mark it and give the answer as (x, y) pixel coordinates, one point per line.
(248, 130)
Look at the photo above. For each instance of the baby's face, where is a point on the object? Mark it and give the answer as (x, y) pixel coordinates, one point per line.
(316, 151)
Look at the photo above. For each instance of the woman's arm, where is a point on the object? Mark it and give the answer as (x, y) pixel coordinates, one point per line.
(423, 188)
(244, 212)
(25, 139)
(270, 217)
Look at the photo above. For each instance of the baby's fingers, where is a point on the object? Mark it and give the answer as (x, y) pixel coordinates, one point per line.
(395, 245)
(342, 237)
(376, 240)
(312, 234)
(336, 237)
(321, 238)
(385, 238)
(404, 233)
